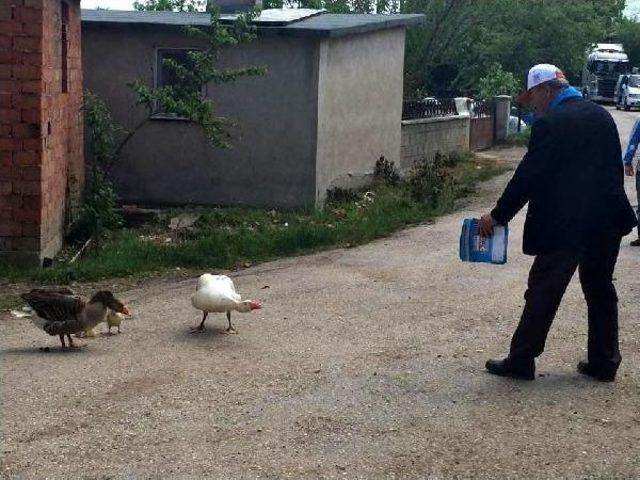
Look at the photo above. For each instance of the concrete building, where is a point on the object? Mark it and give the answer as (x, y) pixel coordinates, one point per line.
(41, 142)
(329, 106)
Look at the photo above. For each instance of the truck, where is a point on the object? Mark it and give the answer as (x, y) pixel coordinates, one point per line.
(604, 64)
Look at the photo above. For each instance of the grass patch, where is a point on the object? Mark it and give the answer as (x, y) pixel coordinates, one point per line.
(520, 139)
(10, 302)
(228, 238)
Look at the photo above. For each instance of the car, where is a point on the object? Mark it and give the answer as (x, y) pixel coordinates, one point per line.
(627, 91)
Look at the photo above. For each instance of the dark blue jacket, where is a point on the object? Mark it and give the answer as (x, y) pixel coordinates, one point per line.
(572, 177)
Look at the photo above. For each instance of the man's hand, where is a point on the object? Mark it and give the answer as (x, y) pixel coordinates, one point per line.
(485, 227)
(628, 170)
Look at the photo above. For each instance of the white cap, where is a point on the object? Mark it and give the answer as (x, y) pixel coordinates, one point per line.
(539, 74)
(543, 73)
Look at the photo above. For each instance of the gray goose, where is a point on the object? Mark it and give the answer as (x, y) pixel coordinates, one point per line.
(61, 312)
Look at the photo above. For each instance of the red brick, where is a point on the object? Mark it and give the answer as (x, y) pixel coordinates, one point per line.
(5, 101)
(8, 115)
(27, 216)
(5, 187)
(10, 27)
(33, 29)
(5, 42)
(11, 200)
(32, 202)
(26, 72)
(25, 244)
(5, 130)
(33, 3)
(35, 59)
(6, 170)
(5, 71)
(31, 86)
(28, 15)
(27, 100)
(10, 229)
(30, 115)
(8, 86)
(27, 44)
(6, 12)
(6, 144)
(27, 187)
(26, 130)
(7, 56)
(27, 158)
(31, 173)
(6, 215)
(31, 229)
(33, 145)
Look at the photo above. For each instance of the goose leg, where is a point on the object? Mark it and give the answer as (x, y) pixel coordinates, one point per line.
(200, 328)
(71, 345)
(230, 329)
(62, 341)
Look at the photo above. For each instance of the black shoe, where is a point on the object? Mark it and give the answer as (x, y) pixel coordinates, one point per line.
(600, 374)
(635, 243)
(507, 368)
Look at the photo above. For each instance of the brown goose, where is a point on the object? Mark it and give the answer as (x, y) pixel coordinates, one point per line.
(61, 312)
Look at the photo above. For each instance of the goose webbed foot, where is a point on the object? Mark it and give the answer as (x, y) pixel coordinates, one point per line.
(200, 328)
(230, 328)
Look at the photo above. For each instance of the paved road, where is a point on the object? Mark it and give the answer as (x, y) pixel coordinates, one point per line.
(364, 363)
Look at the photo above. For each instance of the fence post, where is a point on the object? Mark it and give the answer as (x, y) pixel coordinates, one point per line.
(462, 105)
(503, 111)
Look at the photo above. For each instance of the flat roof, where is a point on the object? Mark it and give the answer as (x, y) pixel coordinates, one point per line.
(308, 23)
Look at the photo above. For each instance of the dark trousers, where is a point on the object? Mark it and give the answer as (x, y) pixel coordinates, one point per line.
(548, 280)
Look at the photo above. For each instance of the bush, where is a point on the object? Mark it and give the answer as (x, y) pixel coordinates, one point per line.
(431, 182)
(385, 172)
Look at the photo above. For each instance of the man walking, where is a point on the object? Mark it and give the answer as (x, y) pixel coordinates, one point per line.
(578, 213)
(632, 149)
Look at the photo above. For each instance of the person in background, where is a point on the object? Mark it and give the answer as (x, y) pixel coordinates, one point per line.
(632, 149)
(578, 213)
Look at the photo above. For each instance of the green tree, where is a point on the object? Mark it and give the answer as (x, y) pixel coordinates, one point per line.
(498, 82)
(629, 35)
(470, 36)
(184, 97)
(170, 5)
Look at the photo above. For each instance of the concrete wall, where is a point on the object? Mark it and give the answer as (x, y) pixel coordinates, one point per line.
(42, 165)
(424, 137)
(272, 162)
(359, 106)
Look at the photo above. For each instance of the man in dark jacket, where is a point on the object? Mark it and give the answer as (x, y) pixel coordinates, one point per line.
(572, 178)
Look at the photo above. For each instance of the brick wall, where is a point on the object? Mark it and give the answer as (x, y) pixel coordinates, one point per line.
(41, 168)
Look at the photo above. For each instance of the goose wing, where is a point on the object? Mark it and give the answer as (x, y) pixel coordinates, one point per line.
(54, 305)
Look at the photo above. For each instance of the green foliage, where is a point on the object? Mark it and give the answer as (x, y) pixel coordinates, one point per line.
(98, 210)
(385, 172)
(498, 82)
(520, 139)
(462, 39)
(628, 34)
(228, 238)
(432, 182)
(184, 97)
(171, 5)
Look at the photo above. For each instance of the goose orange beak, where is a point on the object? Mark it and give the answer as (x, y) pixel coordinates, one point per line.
(125, 310)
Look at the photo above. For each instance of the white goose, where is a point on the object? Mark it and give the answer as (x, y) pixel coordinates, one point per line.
(216, 293)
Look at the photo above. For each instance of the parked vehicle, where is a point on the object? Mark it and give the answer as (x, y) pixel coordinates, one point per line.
(627, 92)
(604, 65)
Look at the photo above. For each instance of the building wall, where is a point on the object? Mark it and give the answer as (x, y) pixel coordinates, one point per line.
(169, 162)
(359, 106)
(40, 126)
(422, 138)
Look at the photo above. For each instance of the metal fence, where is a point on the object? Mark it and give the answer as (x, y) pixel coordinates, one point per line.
(428, 108)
